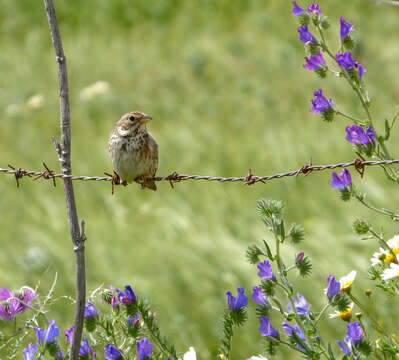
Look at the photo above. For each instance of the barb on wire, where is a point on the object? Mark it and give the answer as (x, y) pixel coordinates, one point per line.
(359, 164)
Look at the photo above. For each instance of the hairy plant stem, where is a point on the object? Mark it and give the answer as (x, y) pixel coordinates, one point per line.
(356, 121)
(392, 215)
(321, 313)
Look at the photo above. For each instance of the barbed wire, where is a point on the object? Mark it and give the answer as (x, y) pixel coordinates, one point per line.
(175, 177)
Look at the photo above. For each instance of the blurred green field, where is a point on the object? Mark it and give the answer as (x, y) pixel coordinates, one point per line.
(224, 83)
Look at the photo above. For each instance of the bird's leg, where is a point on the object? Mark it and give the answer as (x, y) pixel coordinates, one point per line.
(141, 180)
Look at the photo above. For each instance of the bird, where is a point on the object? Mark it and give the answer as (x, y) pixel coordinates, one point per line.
(133, 151)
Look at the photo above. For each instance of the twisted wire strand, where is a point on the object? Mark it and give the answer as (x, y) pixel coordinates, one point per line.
(176, 177)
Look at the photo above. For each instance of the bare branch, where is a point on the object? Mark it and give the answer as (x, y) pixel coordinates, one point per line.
(64, 156)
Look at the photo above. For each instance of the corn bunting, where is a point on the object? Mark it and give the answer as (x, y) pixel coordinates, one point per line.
(134, 151)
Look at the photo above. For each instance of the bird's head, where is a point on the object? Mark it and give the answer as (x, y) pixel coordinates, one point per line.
(132, 122)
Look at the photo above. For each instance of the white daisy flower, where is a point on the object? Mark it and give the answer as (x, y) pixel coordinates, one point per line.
(344, 315)
(94, 90)
(190, 354)
(259, 357)
(379, 257)
(347, 281)
(392, 272)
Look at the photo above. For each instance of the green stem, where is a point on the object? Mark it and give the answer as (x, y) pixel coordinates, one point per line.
(392, 215)
(374, 321)
(356, 121)
(321, 313)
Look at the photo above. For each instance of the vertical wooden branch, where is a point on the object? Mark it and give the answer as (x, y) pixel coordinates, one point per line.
(64, 156)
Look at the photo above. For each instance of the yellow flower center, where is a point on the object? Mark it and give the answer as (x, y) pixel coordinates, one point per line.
(345, 315)
(346, 285)
(389, 258)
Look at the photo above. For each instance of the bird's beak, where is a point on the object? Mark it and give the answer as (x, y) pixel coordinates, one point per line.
(145, 119)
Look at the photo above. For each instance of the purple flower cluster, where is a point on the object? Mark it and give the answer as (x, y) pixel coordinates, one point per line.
(14, 303)
(356, 135)
(346, 62)
(126, 297)
(312, 9)
(351, 341)
(90, 311)
(45, 339)
(265, 271)
(144, 349)
(239, 302)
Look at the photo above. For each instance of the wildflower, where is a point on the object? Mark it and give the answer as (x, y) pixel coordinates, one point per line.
(237, 303)
(190, 354)
(133, 320)
(31, 352)
(90, 311)
(345, 28)
(333, 287)
(266, 328)
(360, 70)
(265, 270)
(68, 334)
(346, 346)
(343, 181)
(258, 296)
(111, 352)
(299, 257)
(347, 281)
(296, 10)
(315, 62)
(305, 36)
(355, 332)
(320, 105)
(259, 357)
(392, 272)
(301, 306)
(314, 10)
(346, 62)
(12, 304)
(344, 315)
(144, 348)
(128, 297)
(356, 135)
(48, 336)
(289, 330)
(385, 255)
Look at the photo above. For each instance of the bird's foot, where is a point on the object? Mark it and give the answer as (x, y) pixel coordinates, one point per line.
(116, 180)
(144, 183)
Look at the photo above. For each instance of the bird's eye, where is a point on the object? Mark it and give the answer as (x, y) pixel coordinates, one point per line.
(131, 118)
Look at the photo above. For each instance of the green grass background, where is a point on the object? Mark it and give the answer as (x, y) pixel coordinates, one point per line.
(225, 85)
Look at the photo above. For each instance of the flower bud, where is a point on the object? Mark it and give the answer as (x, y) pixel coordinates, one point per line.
(361, 227)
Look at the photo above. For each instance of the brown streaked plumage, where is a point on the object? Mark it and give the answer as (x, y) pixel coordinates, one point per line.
(132, 150)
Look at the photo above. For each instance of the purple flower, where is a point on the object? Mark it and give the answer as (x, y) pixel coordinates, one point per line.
(90, 311)
(296, 10)
(315, 62)
(266, 329)
(31, 352)
(59, 355)
(111, 352)
(68, 334)
(144, 348)
(237, 303)
(345, 60)
(346, 346)
(299, 257)
(360, 71)
(133, 320)
(258, 296)
(301, 306)
(356, 135)
(128, 297)
(86, 351)
(345, 28)
(314, 9)
(343, 181)
(320, 104)
(355, 332)
(288, 329)
(48, 336)
(265, 270)
(305, 36)
(14, 303)
(333, 287)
